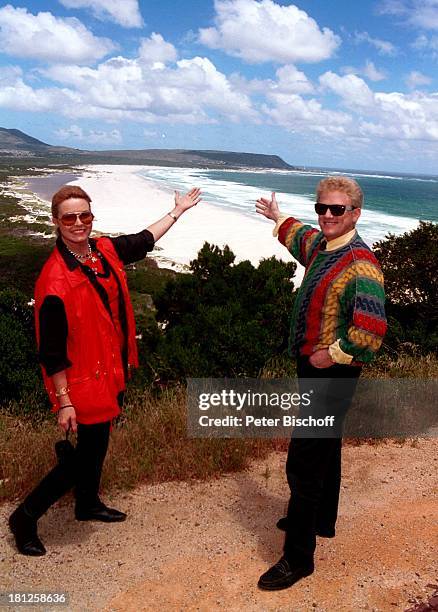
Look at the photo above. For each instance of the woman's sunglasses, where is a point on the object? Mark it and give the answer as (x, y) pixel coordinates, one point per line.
(337, 210)
(69, 219)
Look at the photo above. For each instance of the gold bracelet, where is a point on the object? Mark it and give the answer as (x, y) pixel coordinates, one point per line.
(174, 217)
(62, 391)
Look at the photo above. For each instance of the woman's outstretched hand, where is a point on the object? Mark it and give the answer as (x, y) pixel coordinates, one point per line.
(191, 198)
(268, 208)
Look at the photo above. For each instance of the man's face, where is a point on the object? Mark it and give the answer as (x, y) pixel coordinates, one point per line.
(332, 227)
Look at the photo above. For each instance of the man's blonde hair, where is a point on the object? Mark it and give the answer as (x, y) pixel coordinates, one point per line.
(344, 184)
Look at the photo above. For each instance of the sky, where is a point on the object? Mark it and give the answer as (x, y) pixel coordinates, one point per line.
(331, 84)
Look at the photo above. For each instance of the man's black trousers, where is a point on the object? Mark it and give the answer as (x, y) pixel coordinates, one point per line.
(313, 466)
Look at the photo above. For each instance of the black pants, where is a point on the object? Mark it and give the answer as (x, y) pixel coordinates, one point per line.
(313, 466)
(82, 471)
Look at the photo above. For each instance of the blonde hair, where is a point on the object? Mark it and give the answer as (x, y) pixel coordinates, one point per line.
(344, 184)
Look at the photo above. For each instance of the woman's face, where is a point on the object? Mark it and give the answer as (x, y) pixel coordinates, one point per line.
(76, 234)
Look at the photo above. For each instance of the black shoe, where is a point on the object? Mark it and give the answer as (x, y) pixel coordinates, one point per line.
(24, 528)
(283, 575)
(322, 532)
(100, 513)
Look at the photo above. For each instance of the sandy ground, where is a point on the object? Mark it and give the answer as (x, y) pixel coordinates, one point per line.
(202, 546)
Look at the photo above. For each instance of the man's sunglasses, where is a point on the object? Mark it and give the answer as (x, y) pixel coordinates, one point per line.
(337, 210)
(69, 219)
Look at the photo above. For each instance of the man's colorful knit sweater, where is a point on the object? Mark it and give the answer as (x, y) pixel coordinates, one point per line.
(341, 297)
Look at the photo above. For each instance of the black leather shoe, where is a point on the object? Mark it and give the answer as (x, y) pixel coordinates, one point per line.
(100, 513)
(283, 575)
(24, 528)
(322, 532)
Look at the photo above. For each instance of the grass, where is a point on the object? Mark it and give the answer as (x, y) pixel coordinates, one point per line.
(149, 442)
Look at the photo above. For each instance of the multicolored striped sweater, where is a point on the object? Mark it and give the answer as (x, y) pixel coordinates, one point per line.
(341, 299)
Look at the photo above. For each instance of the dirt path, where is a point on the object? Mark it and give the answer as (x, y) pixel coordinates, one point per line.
(202, 546)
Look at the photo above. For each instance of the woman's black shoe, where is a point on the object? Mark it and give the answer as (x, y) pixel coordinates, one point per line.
(24, 528)
(283, 575)
(100, 513)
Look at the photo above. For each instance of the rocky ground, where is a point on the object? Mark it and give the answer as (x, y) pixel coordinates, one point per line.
(202, 546)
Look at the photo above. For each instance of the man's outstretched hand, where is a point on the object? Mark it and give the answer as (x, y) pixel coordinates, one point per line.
(268, 208)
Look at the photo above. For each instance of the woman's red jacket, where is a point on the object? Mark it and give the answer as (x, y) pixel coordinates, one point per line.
(99, 368)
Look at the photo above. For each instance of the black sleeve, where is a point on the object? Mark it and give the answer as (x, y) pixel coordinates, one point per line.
(53, 335)
(133, 247)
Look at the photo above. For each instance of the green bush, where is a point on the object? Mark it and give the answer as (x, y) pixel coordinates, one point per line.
(224, 319)
(409, 263)
(19, 370)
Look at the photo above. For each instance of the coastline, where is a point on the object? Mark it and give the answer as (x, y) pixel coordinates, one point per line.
(124, 202)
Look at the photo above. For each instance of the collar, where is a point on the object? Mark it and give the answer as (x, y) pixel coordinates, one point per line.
(70, 260)
(341, 241)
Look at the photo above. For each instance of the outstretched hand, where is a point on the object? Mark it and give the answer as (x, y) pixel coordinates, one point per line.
(186, 201)
(268, 208)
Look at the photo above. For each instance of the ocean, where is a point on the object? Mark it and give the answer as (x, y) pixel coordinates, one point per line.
(394, 203)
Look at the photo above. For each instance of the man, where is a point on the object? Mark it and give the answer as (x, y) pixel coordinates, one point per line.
(338, 323)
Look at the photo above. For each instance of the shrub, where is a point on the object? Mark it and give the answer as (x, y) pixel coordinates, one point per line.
(409, 263)
(224, 319)
(19, 370)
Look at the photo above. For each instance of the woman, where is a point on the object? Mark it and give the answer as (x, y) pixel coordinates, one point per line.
(86, 338)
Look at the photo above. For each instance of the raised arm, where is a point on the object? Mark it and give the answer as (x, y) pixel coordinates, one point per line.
(294, 235)
(133, 247)
(182, 204)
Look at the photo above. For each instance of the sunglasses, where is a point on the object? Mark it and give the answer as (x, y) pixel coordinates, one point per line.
(69, 219)
(337, 210)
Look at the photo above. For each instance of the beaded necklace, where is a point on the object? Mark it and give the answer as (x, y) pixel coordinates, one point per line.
(88, 255)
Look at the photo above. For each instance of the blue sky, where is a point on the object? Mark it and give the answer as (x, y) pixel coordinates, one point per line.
(337, 84)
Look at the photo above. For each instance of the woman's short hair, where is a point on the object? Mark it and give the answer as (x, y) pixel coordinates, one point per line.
(344, 184)
(66, 192)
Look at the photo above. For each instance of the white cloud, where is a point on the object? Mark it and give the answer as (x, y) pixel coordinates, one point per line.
(404, 117)
(384, 47)
(17, 95)
(156, 49)
(289, 80)
(418, 13)
(417, 79)
(352, 89)
(369, 71)
(48, 38)
(392, 115)
(101, 137)
(124, 12)
(298, 115)
(262, 31)
(427, 46)
(191, 91)
(74, 131)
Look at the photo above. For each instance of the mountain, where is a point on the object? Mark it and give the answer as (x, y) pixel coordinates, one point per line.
(16, 144)
(15, 141)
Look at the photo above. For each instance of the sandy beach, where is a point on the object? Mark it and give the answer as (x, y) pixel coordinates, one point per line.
(124, 202)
